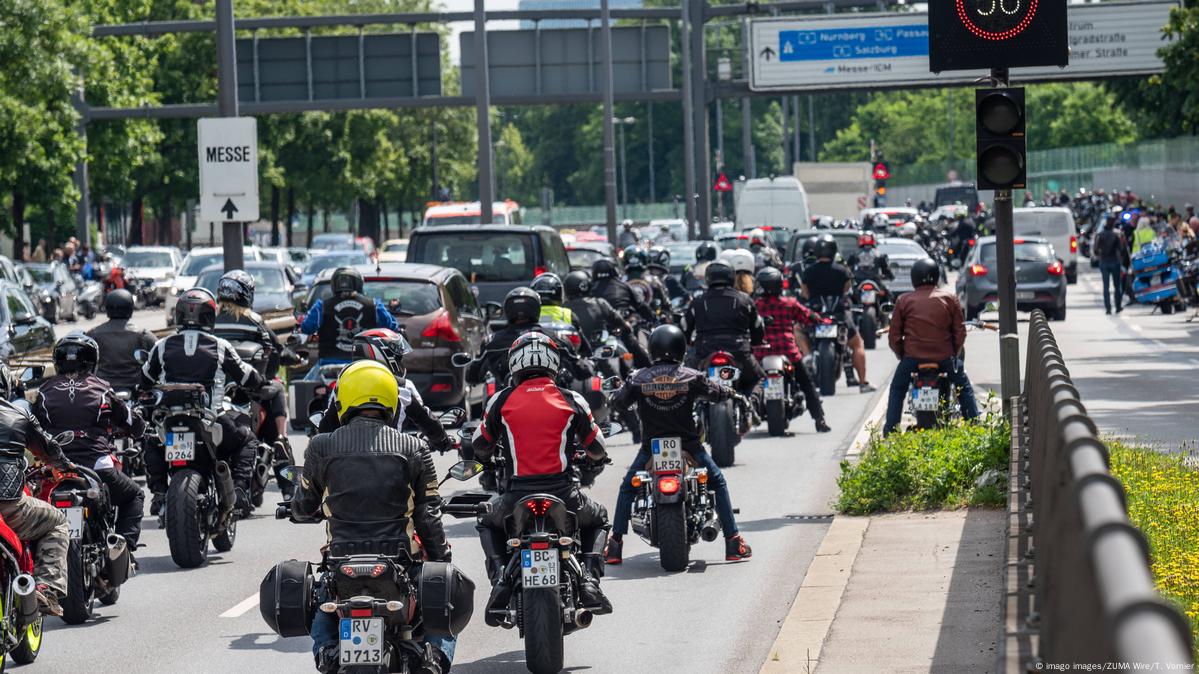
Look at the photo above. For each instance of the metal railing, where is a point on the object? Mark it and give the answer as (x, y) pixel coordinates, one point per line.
(1090, 596)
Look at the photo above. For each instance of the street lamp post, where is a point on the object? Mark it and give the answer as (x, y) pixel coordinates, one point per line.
(624, 172)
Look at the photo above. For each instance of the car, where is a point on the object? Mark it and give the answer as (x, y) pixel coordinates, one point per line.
(53, 287)
(331, 260)
(21, 328)
(682, 255)
(197, 260)
(155, 267)
(273, 284)
(393, 250)
(295, 258)
(469, 213)
(901, 254)
(1040, 278)
(1056, 225)
(493, 258)
(440, 316)
(583, 255)
(956, 193)
(342, 241)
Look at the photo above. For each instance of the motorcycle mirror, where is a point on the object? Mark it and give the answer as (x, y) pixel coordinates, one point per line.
(452, 418)
(465, 470)
(461, 359)
(141, 356)
(494, 309)
(605, 352)
(315, 419)
(32, 373)
(290, 473)
(610, 428)
(467, 430)
(611, 384)
(64, 438)
(293, 339)
(728, 373)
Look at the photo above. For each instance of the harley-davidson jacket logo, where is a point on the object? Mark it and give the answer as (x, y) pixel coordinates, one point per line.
(664, 387)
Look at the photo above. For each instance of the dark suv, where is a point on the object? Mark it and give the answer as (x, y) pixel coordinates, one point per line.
(493, 258)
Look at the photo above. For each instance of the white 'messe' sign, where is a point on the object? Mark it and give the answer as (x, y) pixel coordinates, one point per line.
(228, 169)
(1107, 39)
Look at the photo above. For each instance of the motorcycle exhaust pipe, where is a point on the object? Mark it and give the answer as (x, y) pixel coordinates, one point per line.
(224, 487)
(24, 589)
(709, 531)
(582, 618)
(262, 475)
(118, 559)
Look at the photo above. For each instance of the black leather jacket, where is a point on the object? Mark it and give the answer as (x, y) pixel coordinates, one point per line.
(117, 342)
(19, 430)
(374, 485)
(196, 357)
(621, 297)
(88, 407)
(595, 314)
(494, 357)
(724, 315)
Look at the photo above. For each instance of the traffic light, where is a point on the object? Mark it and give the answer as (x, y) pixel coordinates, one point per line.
(1000, 144)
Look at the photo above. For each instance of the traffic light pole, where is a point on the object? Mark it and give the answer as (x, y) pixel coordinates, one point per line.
(1005, 249)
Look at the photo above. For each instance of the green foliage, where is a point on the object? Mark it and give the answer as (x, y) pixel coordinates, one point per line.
(1167, 105)
(937, 468)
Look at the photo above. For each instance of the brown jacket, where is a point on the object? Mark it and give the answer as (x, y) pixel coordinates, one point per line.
(927, 325)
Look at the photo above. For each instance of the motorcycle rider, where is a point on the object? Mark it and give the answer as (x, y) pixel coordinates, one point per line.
(196, 356)
(117, 341)
(927, 327)
(827, 278)
(346, 313)
(371, 483)
(705, 252)
(963, 234)
(539, 427)
(548, 287)
(522, 308)
(665, 395)
(783, 317)
(763, 250)
(743, 264)
(388, 348)
(75, 399)
(659, 269)
(628, 235)
(868, 263)
(636, 261)
(594, 314)
(33, 520)
(606, 284)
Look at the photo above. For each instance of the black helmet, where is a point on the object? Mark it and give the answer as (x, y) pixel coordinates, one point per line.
(577, 284)
(667, 344)
(807, 251)
(237, 287)
(118, 303)
(603, 268)
(825, 246)
(76, 353)
(522, 305)
(719, 274)
(548, 287)
(925, 272)
(634, 257)
(659, 258)
(705, 252)
(196, 310)
(346, 280)
(770, 280)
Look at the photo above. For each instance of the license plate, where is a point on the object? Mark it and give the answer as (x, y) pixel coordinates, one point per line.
(775, 388)
(667, 455)
(361, 641)
(926, 399)
(826, 331)
(181, 447)
(74, 521)
(868, 296)
(539, 568)
(1026, 295)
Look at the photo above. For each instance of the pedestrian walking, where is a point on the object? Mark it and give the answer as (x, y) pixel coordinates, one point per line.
(39, 253)
(1113, 258)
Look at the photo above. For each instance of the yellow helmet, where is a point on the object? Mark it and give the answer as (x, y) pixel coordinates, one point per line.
(366, 384)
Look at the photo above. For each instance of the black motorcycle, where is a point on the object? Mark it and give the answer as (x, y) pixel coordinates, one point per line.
(722, 424)
(673, 508)
(780, 393)
(829, 340)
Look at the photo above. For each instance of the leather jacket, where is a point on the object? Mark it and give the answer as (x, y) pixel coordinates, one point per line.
(927, 325)
(19, 430)
(373, 485)
(88, 407)
(197, 357)
(118, 340)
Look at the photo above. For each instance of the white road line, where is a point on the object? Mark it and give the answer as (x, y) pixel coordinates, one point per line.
(245, 605)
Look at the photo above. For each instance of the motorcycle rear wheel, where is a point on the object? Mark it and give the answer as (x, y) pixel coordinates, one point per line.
(670, 524)
(826, 367)
(926, 420)
(722, 433)
(185, 532)
(776, 417)
(29, 647)
(868, 328)
(77, 604)
(543, 631)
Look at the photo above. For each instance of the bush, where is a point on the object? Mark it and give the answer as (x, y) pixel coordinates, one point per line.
(1163, 502)
(963, 464)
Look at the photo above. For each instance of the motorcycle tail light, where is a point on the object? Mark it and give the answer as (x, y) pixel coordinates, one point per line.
(348, 571)
(378, 570)
(441, 388)
(1055, 268)
(978, 270)
(970, 241)
(64, 503)
(538, 506)
(539, 545)
(361, 613)
(178, 463)
(867, 286)
(721, 359)
(668, 485)
(597, 384)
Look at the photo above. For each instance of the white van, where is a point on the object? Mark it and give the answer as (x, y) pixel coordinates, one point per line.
(1057, 226)
(777, 202)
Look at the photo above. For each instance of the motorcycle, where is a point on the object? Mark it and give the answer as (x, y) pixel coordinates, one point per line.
(265, 463)
(1156, 276)
(829, 341)
(589, 387)
(871, 312)
(128, 450)
(722, 423)
(21, 624)
(311, 397)
(780, 393)
(673, 508)
(384, 603)
(90, 298)
(543, 569)
(98, 559)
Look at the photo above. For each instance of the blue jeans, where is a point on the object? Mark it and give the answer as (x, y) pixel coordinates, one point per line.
(624, 501)
(1110, 269)
(314, 372)
(902, 381)
(324, 629)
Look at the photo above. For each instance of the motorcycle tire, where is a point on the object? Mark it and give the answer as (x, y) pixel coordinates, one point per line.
(542, 623)
(670, 525)
(89, 312)
(926, 420)
(112, 597)
(186, 533)
(80, 598)
(826, 367)
(776, 417)
(223, 542)
(29, 647)
(868, 328)
(722, 433)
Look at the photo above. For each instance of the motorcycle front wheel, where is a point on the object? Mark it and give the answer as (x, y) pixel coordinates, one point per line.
(670, 524)
(542, 613)
(186, 531)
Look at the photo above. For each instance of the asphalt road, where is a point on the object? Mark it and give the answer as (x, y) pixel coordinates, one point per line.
(150, 319)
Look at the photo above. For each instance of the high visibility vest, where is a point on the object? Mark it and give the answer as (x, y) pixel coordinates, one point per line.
(556, 314)
(1142, 236)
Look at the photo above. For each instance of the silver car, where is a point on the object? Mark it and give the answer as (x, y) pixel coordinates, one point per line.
(1040, 278)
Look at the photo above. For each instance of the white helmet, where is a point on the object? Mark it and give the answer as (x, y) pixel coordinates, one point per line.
(907, 230)
(532, 354)
(739, 260)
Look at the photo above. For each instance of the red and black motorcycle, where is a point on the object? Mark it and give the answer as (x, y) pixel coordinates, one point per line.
(20, 620)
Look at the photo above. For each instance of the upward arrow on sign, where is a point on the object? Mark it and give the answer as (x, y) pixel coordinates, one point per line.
(229, 209)
(766, 54)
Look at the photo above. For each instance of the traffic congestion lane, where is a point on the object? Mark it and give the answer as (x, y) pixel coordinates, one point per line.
(716, 617)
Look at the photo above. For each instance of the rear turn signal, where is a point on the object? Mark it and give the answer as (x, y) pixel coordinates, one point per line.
(1055, 268)
(978, 270)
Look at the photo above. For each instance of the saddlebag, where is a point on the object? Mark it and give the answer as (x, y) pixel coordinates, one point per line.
(286, 598)
(446, 598)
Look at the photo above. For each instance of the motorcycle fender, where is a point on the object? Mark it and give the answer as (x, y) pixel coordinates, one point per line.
(676, 497)
(774, 364)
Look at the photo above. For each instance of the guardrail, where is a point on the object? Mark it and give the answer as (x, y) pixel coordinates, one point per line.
(1080, 590)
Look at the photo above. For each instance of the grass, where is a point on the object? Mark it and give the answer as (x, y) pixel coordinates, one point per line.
(921, 470)
(1163, 502)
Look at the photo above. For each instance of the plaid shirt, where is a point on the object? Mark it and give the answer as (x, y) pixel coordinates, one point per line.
(785, 313)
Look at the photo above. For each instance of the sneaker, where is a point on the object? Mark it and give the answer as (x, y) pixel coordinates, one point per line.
(47, 601)
(328, 659)
(822, 426)
(157, 503)
(1108, 311)
(614, 554)
(866, 387)
(736, 549)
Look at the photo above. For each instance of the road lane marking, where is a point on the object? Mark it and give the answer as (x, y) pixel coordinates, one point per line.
(240, 610)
